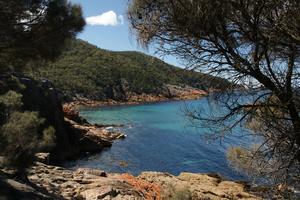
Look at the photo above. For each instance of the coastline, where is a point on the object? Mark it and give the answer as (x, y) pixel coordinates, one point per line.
(54, 182)
(98, 136)
(79, 103)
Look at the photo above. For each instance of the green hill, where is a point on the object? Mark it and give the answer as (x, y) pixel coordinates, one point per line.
(83, 70)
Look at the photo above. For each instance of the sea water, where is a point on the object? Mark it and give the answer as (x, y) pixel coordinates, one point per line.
(160, 137)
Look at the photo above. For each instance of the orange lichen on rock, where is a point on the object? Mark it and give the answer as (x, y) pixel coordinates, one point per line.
(199, 92)
(149, 190)
(70, 112)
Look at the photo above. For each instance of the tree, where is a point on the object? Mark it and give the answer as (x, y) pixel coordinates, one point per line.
(35, 29)
(30, 30)
(253, 43)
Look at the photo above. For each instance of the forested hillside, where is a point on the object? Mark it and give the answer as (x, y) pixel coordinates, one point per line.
(83, 70)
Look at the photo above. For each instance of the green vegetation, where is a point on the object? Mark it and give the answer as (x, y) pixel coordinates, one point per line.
(87, 71)
(30, 31)
(22, 132)
(22, 139)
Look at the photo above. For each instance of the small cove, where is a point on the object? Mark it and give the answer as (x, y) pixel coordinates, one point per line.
(159, 138)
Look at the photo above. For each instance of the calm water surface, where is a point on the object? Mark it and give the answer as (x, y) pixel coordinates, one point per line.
(159, 138)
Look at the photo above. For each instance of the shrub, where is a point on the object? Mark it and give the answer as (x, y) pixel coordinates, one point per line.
(9, 102)
(23, 138)
(48, 140)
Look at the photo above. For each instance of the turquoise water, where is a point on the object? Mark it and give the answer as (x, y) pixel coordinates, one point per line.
(159, 138)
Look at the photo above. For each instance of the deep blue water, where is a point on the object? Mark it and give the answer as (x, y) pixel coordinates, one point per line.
(159, 138)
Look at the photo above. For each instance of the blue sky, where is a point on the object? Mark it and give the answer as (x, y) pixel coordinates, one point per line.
(107, 26)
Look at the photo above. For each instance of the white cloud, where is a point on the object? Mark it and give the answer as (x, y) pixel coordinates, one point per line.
(109, 18)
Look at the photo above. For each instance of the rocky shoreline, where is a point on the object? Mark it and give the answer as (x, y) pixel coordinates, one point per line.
(52, 182)
(91, 138)
(175, 93)
(76, 136)
(99, 134)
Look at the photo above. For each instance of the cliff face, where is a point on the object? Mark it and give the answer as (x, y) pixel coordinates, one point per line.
(42, 97)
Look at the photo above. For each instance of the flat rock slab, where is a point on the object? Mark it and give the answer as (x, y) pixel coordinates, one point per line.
(92, 184)
(197, 186)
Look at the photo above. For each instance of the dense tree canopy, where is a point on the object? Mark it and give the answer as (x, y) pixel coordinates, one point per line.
(35, 29)
(103, 71)
(252, 42)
